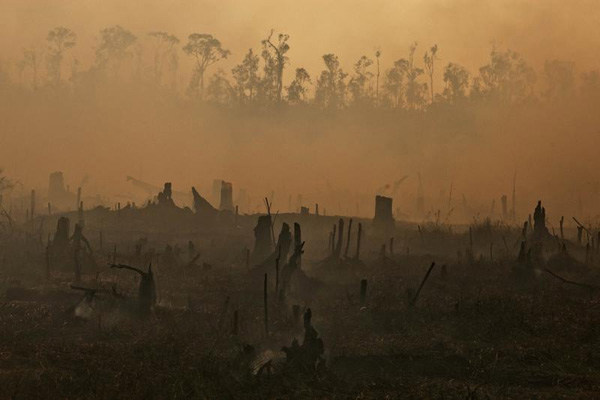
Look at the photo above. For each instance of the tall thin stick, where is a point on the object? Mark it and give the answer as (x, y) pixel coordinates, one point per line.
(348, 240)
(414, 300)
(358, 241)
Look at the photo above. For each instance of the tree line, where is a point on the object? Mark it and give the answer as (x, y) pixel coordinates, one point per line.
(407, 84)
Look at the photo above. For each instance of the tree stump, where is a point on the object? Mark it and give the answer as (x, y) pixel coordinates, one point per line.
(226, 203)
(263, 245)
(383, 213)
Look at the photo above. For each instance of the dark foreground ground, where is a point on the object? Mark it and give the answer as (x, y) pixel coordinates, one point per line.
(483, 327)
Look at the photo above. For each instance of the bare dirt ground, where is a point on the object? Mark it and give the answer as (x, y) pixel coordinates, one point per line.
(484, 326)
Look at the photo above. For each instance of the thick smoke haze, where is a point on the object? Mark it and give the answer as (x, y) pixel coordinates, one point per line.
(339, 159)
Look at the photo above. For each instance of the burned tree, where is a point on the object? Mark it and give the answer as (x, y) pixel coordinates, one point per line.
(540, 231)
(307, 357)
(201, 205)
(383, 213)
(262, 238)
(79, 243)
(165, 197)
(226, 197)
(147, 290)
(282, 249)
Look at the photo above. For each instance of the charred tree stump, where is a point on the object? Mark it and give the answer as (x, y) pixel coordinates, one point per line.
(297, 243)
(540, 231)
(562, 233)
(357, 256)
(80, 219)
(147, 289)
(164, 197)
(262, 238)
(383, 213)
(226, 203)
(333, 239)
(201, 205)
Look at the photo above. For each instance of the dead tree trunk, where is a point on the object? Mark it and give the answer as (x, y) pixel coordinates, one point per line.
(298, 242)
(358, 241)
(338, 246)
(263, 245)
(348, 239)
(226, 203)
(562, 234)
(383, 212)
(147, 290)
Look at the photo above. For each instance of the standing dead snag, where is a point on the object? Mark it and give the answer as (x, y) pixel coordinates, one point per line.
(226, 196)
(164, 197)
(297, 242)
(580, 229)
(348, 239)
(262, 238)
(201, 205)
(290, 268)
(338, 246)
(147, 291)
(562, 234)
(284, 242)
(333, 239)
(383, 213)
(306, 357)
(79, 243)
(539, 223)
(60, 243)
(358, 241)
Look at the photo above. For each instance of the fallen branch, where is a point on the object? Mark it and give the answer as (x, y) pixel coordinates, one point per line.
(585, 285)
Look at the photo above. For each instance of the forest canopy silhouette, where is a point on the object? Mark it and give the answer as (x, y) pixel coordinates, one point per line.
(162, 106)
